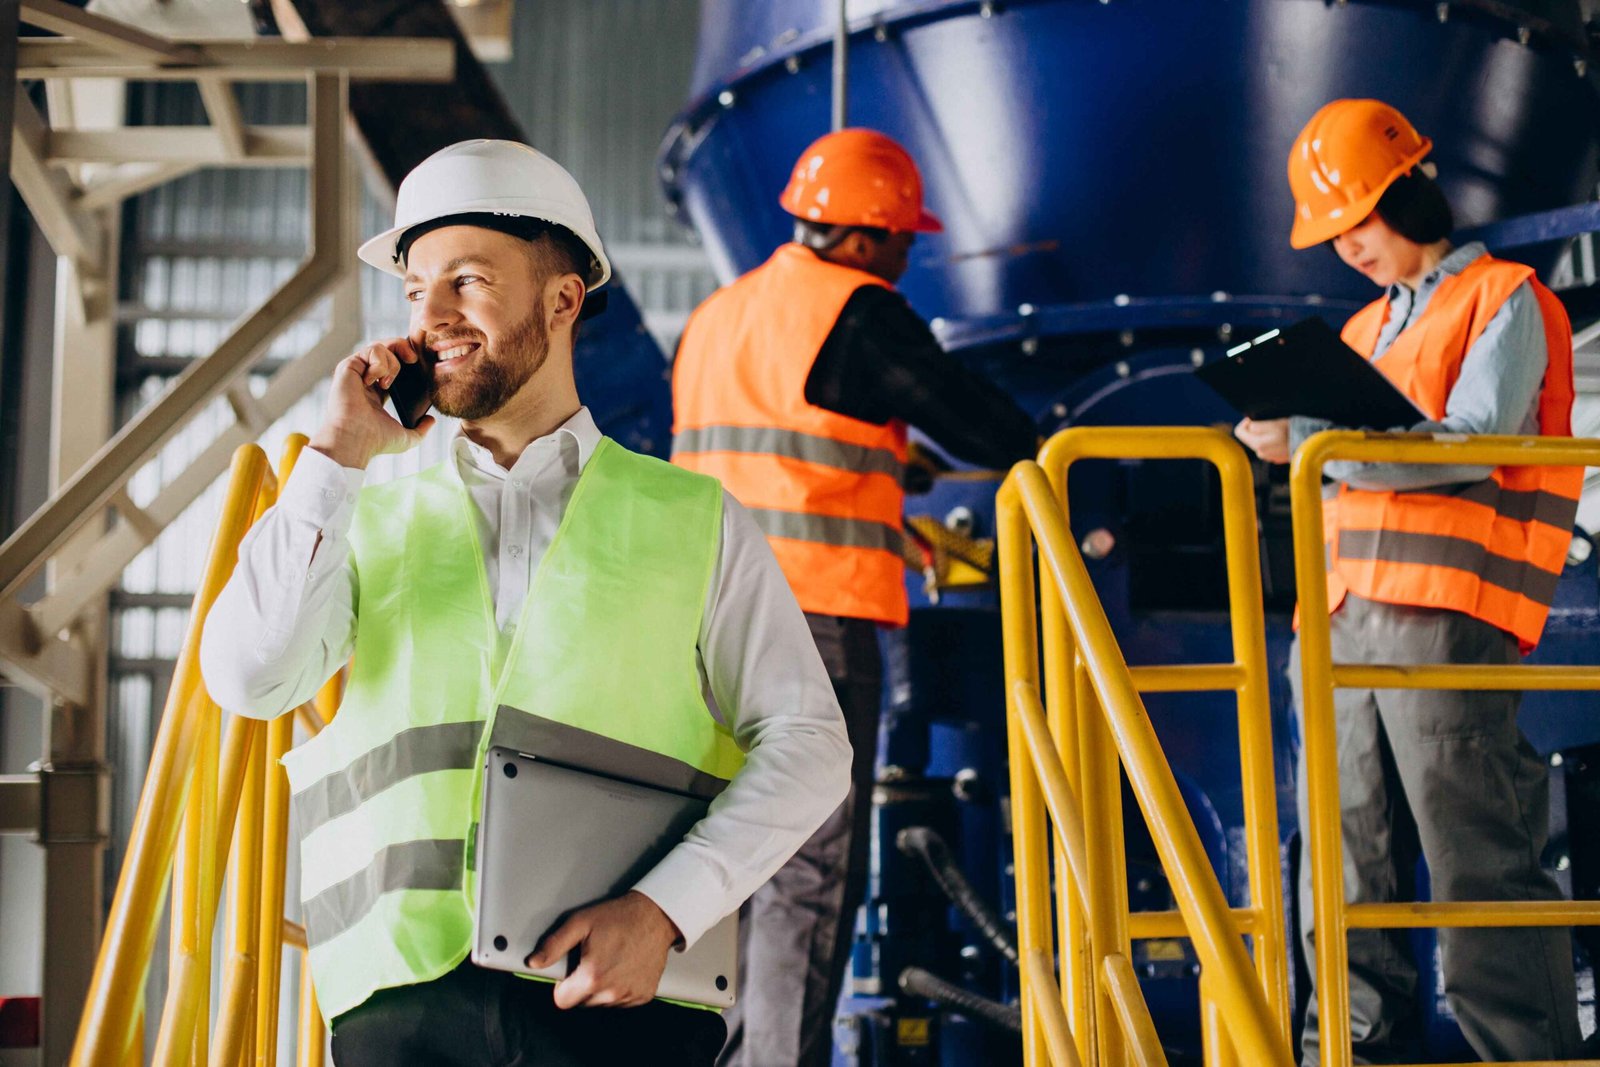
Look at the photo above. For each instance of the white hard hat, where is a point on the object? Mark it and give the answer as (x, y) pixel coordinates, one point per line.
(493, 177)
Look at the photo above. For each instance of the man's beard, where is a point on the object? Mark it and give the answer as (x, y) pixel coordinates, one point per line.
(497, 373)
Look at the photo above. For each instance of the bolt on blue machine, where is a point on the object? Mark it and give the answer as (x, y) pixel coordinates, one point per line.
(1111, 176)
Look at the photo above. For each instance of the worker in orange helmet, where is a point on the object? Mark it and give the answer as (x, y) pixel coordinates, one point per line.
(1431, 564)
(794, 385)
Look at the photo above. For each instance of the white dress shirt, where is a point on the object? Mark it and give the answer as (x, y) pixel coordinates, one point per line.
(287, 620)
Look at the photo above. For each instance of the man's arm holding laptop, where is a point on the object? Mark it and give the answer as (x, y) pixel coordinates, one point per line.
(765, 679)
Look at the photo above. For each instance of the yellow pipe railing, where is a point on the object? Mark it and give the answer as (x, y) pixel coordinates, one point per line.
(1247, 677)
(1097, 716)
(1334, 916)
(211, 800)
(116, 987)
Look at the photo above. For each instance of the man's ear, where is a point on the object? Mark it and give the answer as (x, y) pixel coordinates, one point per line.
(565, 301)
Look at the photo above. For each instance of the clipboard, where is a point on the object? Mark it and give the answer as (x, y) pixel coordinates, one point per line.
(1305, 369)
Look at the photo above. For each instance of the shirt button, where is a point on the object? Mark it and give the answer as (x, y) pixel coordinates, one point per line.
(516, 550)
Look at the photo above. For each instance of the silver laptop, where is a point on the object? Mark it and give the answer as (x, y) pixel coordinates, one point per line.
(554, 838)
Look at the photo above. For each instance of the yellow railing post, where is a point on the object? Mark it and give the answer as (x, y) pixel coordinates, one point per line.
(274, 856)
(1248, 676)
(1020, 627)
(1334, 916)
(222, 798)
(1324, 847)
(1028, 508)
(1107, 881)
(1067, 700)
(236, 1017)
(313, 1036)
(112, 1004)
(1258, 773)
(184, 1037)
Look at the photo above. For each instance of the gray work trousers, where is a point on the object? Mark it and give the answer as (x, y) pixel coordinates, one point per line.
(1449, 773)
(795, 932)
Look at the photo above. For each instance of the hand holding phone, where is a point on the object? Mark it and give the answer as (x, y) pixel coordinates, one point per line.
(411, 392)
(356, 427)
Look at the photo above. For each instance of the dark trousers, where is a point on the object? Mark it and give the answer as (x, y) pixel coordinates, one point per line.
(796, 930)
(1446, 773)
(475, 1017)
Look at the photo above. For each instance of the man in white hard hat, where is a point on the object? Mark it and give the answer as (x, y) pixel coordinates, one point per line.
(541, 567)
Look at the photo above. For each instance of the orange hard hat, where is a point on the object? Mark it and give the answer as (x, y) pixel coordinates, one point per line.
(858, 177)
(1340, 165)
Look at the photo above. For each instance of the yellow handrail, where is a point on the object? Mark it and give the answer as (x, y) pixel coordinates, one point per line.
(224, 799)
(1334, 916)
(1095, 717)
(112, 1005)
(1247, 677)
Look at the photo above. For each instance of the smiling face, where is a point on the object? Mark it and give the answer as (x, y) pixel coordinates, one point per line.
(1376, 250)
(478, 304)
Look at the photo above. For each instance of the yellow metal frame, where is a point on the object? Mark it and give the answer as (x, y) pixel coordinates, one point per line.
(1064, 779)
(210, 800)
(1320, 676)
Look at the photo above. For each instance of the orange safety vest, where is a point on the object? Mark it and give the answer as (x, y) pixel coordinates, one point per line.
(824, 488)
(1492, 549)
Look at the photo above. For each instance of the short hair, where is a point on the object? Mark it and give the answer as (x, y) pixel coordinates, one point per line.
(822, 236)
(554, 249)
(1415, 208)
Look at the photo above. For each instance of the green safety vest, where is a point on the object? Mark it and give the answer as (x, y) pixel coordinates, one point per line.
(387, 796)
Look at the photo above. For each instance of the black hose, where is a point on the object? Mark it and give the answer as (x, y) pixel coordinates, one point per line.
(921, 983)
(924, 842)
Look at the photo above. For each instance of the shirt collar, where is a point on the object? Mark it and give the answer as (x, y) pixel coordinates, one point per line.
(1454, 262)
(576, 439)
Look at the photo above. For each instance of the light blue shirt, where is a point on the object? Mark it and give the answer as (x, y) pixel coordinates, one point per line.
(1497, 391)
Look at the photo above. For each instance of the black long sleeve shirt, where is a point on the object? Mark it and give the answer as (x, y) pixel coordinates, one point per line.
(881, 362)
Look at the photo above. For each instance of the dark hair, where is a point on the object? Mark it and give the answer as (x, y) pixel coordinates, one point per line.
(1415, 208)
(822, 236)
(555, 248)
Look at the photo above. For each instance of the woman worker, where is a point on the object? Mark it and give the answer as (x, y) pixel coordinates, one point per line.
(1437, 564)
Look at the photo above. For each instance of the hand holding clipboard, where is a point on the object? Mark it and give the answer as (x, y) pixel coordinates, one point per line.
(1305, 369)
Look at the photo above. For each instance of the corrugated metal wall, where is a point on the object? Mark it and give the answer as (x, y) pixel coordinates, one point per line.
(595, 83)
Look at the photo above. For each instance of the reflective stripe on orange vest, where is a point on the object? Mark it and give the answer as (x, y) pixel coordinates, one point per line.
(823, 487)
(1492, 549)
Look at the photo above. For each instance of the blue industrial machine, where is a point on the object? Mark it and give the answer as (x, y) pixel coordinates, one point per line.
(1111, 176)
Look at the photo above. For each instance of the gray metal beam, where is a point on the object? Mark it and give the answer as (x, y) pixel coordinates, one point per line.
(103, 34)
(404, 124)
(50, 195)
(262, 146)
(88, 492)
(19, 804)
(45, 666)
(380, 60)
(117, 547)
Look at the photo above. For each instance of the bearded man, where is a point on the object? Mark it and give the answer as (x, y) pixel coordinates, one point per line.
(539, 571)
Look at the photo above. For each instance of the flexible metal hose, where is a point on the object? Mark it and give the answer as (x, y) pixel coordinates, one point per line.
(923, 983)
(924, 842)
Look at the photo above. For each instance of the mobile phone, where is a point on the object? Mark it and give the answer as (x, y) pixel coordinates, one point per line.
(411, 392)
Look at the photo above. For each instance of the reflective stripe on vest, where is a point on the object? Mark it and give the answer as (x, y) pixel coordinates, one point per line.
(1492, 549)
(387, 795)
(825, 488)
(808, 448)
